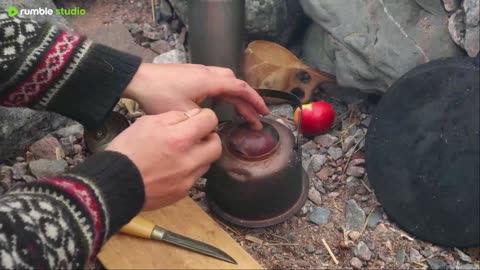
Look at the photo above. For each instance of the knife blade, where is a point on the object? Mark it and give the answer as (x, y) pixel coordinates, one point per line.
(144, 228)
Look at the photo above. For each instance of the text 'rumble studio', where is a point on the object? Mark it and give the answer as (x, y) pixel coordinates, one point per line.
(76, 11)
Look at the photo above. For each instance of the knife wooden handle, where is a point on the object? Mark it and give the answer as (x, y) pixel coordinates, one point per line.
(139, 227)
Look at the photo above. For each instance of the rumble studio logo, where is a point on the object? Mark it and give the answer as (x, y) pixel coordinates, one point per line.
(12, 11)
(76, 11)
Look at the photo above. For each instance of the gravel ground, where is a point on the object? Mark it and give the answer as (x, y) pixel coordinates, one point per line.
(342, 213)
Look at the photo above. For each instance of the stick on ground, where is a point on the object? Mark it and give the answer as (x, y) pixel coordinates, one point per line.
(330, 251)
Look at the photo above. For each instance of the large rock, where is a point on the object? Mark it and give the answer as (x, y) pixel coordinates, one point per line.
(371, 43)
(117, 36)
(434, 7)
(274, 20)
(464, 27)
(472, 26)
(21, 127)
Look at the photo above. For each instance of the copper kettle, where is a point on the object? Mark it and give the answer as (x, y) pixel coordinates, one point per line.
(259, 180)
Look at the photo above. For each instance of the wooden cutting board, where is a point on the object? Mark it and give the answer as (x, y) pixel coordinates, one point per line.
(186, 218)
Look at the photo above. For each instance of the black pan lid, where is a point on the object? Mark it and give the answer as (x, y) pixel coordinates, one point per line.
(422, 151)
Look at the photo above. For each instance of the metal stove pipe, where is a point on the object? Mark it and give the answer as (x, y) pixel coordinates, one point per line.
(217, 38)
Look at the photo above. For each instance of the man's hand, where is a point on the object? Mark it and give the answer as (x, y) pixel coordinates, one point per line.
(171, 151)
(161, 88)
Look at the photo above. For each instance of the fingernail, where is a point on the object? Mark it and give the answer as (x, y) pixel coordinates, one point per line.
(193, 112)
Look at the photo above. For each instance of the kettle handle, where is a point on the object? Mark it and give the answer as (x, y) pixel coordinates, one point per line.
(291, 99)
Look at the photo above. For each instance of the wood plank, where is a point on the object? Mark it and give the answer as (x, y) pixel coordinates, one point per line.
(186, 218)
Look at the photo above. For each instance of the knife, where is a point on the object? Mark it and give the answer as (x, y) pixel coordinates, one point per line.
(141, 227)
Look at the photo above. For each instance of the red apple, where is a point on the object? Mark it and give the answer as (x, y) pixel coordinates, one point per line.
(317, 117)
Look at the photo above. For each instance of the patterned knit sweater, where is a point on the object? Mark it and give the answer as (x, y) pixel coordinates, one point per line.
(63, 222)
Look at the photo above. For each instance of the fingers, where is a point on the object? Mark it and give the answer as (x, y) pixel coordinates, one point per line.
(199, 173)
(174, 117)
(198, 126)
(225, 86)
(247, 111)
(207, 151)
(222, 71)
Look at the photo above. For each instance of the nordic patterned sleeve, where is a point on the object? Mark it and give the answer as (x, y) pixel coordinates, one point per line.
(46, 68)
(63, 222)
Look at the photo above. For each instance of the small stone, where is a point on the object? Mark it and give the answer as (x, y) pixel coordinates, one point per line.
(375, 218)
(171, 57)
(147, 27)
(385, 258)
(164, 11)
(467, 267)
(355, 171)
(326, 140)
(366, 121)
(45, 148)
(358, 161)
(456, 27)
(356, 263)
(464, 257)
(145, 44)
(73, 130)
(451, 5)
(5, 172)
(362, 251)
(160, 46)
(44, 168)
(77, 148)
(306, 163)
(472, 27)
(302, 263)
(317, 162)
(348, 143)
(29, 178)
(359, 137)
(18, 170)
(320, 215)
(319, 186)
(380, 230)
(134, 28)
(400, 257)
(303, 211)
(427, 252)
(152, 34)
(315, 196)
(335, 152)
(333, 194)
(354, 235)
(354, 216)
(20, 159)
(284, 110)
(415, 255)
(325, 173)
(5, 177)
(389, 245)
(67, 146)
(436, 263)
(310, 249)
(310, 146)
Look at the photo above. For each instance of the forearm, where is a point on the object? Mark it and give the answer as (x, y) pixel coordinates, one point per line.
(45, 68)
(63, 222)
